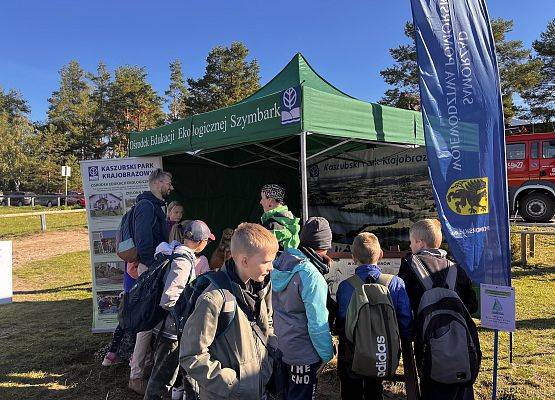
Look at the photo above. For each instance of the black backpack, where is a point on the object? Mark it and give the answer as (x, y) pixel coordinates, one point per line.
(185, 305)
(141, 305)
(447, 347)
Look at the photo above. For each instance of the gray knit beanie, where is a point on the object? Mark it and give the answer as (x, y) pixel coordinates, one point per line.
(316, 234)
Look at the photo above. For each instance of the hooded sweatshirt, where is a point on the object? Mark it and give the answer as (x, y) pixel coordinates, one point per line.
(435, 260)
(283, 225)
(300, 314)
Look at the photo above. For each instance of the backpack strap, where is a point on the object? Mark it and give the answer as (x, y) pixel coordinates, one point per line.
(421, 272)
(385, 279)
(221, 280)
(451, 279)
(356, 283)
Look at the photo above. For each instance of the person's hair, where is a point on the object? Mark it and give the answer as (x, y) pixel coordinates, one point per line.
(158, 174)
(251, 238)
(174, 204)
(429, 231)
(366, 248)
(176, 232)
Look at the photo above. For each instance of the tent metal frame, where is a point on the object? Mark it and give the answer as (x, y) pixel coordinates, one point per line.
(300, 159)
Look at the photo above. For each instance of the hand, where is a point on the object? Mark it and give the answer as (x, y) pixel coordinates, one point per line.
(133, 269)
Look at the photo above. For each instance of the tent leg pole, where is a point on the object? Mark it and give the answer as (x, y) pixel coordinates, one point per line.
(304, 181)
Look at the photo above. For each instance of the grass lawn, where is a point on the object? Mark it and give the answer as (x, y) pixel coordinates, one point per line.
(48, 351)
(21, 226)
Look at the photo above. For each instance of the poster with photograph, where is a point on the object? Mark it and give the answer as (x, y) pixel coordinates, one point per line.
(382, 190)
(343, 268)
(110, 187)
(109, 275)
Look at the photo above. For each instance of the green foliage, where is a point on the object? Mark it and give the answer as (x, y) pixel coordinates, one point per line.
(133, 106)
(177, 95)
(518, 72)
(69, 110)
(91, 115)
(403, 76)
(16, 136)
(228, 79)
(541, 97)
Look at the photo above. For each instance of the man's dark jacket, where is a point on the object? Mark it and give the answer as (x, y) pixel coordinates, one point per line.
(149, 226)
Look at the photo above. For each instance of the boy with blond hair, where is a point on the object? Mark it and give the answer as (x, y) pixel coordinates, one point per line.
(425, 240)
(234, 363)
(366, 252)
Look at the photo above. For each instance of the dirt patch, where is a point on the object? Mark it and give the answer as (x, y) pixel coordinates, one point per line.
(46, 245)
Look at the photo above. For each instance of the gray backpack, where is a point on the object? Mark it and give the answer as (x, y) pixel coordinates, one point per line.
(447, 347)
(371, 327)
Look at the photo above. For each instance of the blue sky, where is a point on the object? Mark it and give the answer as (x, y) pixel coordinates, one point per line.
(346, 42)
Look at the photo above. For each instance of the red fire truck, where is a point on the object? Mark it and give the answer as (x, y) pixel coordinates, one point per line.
(531, 175)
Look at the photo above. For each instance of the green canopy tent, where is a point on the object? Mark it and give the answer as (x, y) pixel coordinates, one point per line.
(220, 159)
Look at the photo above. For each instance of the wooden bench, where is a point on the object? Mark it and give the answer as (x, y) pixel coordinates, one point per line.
(526, 251)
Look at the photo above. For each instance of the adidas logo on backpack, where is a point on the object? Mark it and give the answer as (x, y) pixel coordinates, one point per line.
(381, 356)
(447, 347)
(371, 328)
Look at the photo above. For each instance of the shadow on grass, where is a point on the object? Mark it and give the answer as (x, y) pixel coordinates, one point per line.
(48, 352)
(69, 288)
(536, 323)
(538, 270)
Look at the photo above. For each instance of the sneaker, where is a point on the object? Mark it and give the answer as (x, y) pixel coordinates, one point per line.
(177, 393)
(137, 385)
(111, 359)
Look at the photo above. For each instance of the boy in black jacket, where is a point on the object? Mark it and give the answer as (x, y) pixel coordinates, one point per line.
(425, 239)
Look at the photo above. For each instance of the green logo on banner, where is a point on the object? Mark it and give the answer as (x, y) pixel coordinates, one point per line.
(497, 308)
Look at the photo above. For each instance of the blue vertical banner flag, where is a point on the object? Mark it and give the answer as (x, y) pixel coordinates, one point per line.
(464, 132)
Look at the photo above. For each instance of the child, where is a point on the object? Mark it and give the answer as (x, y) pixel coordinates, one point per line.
(176, 234)
(175, 214)
(300, 314)
(123, 342)
(366, 252)
(277, 218)
(166, 358)
(234, 364)
(425, 239)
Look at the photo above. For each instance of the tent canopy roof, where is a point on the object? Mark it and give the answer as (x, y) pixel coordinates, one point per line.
(313, 106)
(298, 71)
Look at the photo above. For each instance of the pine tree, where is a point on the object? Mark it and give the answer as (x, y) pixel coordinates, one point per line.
(541, 98)
(133, 105)
(403, 76)
(517, 71)
(102, 126)
(177, 95)
(70, 110)
(228, 79)
(16, 131)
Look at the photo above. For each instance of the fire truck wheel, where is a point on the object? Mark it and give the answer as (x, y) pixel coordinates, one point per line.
(537, 207)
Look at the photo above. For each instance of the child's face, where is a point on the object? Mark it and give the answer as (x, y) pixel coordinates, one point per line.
(266, 203)
(256, 266)
(416, 244)
(176, 214)
(201, 246)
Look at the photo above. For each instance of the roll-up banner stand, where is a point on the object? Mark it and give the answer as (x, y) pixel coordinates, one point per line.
(110, 187)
